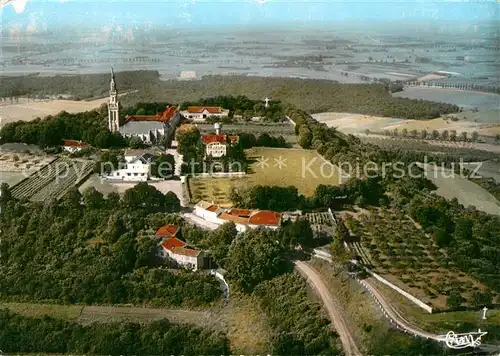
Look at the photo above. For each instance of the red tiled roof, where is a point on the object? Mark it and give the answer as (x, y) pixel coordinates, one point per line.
(239, 212)
(185, 251)
(218, 138)
(233, 218)
(167, 231)
(171, 243)
(199, 109)
(213, 208)
(265, 217)
(74, 143)
(165, 116)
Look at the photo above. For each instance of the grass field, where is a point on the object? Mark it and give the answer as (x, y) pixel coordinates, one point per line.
(304, 169)
(397, 249)
(467, 192)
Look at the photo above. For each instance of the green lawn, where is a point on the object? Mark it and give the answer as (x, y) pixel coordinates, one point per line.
(304, 169)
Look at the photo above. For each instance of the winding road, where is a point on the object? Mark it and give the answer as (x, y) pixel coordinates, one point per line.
(332, 307)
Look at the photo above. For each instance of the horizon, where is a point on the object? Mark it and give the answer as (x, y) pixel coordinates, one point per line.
(39, 16)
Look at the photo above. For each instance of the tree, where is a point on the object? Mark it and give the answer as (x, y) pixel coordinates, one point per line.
(140, 112)
(445, 135)
(435, 134)
(481, 299)
(474, 136)
(220, 240)
(255, 257)
(404, 132)
(497, 138)
(463, 136)
(136, 142)
(305, 137)
(163, 166)
(144, 196)
(454, 300)
(172, 202)
(423, 134)
(5, 193)
(93, 199)
(453, 135)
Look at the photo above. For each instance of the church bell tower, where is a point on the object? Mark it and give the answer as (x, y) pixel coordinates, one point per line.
(113, 106)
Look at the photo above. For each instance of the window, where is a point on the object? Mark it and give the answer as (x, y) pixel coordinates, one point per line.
(117, 174)
(128, 174)
(135, 174)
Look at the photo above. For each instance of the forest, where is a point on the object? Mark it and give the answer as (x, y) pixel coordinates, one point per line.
(90, 250)
(308, 94)
(22, 334)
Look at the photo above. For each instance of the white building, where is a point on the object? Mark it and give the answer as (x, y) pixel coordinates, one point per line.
(216, 145)
(200, 113)
(136, 168)
(73, 146)
(177, 250)
(242, 218)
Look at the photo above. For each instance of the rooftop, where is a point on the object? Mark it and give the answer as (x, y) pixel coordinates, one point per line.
(171, 243)
(167, 231)
(185, 251)
(74, 143)
(164, 117)
(218, 138)
(141, 127)
(200, 109)
(265, 217)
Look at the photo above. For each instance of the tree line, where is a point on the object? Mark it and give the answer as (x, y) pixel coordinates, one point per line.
(25, 334)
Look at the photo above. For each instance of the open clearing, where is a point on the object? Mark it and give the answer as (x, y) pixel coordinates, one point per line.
(27, 110)
(357, 123)
(304, 169)
(451, 185)
(462, 98)
(102, 314)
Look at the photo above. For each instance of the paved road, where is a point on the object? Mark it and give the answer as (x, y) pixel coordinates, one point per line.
(332, 307)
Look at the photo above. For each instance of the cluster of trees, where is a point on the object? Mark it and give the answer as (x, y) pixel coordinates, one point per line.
(444, 135)
(89, 127)
(25, 334)
(470, 237)
(248, 140)
(241, 106)
(83, 86)
(298, 327)
(362, 192)
(87, 249)
(311, 95)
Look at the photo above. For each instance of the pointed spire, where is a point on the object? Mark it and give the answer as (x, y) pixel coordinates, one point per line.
(112, 83)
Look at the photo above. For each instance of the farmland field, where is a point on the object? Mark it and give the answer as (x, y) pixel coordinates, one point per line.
(467, 192)
(53, 180)
(405, 255)
(304, 169)
(458, 97)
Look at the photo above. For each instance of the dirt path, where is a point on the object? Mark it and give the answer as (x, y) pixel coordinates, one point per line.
(331, 306)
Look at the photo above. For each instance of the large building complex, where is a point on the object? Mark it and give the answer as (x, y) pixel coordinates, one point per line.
(200, 113)
(148, 128)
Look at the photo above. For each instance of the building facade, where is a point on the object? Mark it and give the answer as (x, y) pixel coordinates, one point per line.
(201, 113)
(243, 219)
(216, 145)
(150, 129)
(136, 168)
(185, 256)
(73, 146)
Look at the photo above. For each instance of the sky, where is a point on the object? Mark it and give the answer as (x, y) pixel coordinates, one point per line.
(36, 15)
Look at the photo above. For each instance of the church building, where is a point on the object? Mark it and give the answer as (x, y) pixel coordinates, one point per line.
(150, 129)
